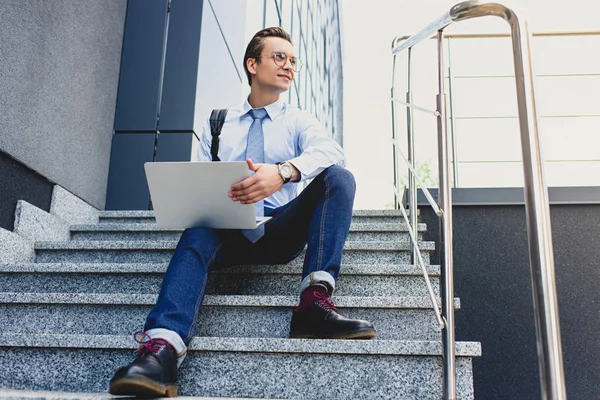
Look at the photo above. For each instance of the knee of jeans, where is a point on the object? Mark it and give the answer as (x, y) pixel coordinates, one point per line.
(193, 234)
(341, 180)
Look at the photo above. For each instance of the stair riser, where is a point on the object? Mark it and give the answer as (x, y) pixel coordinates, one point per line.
(150, 220)
(158, 235)
(163, 256)
(229, 374)
(214, 321)
(243, 284)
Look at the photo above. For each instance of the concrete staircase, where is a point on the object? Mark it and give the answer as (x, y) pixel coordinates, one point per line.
(67, 318)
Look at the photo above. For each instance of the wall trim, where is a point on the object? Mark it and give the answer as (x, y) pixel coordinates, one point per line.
(516, 196)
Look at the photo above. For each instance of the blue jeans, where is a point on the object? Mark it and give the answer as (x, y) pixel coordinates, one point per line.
(319, 217)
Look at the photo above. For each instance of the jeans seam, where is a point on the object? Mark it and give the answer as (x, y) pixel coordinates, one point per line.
(322, 230)
(195, 321)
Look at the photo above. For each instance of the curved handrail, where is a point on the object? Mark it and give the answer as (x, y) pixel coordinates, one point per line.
(536, 195)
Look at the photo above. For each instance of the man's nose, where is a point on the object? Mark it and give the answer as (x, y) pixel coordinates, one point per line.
(288, 64)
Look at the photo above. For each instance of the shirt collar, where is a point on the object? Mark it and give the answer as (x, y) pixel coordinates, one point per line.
(273, 109)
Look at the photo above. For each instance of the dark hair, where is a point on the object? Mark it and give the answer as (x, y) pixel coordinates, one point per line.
(257, 44)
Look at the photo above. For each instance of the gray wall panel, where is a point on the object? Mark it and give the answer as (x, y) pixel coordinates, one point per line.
(59, 71)
(141, 66)
(128, 189)
(493, 281)
(181, 66)
(174, 147)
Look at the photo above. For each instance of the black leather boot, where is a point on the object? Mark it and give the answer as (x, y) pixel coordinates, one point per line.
(152, 374)
(321, 320)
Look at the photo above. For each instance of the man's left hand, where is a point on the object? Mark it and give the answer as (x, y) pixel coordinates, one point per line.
(265, 181)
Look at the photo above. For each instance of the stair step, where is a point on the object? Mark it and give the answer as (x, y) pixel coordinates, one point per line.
(355, 280)
(242, 367)
(137, 216)
(150, 231)
(225, 316)
(56, 395)
(161, 251)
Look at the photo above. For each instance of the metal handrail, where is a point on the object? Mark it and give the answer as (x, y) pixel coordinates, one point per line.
(536, 194)
(453, 118)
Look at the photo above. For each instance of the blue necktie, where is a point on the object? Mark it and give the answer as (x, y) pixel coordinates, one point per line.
(255, 150)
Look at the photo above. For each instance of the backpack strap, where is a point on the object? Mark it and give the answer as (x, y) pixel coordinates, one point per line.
(217, 119)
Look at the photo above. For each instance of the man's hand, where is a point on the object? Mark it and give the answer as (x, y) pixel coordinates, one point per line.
(265, 181)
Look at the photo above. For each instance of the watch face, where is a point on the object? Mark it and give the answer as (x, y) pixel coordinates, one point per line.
(286, 171)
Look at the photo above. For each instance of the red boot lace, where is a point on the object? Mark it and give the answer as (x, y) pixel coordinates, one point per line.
(147, 344)
(325, 302)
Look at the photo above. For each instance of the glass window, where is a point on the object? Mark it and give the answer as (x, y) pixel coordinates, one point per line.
(271, 13)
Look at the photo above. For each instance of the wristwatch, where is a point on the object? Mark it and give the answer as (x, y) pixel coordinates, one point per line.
(285, 171)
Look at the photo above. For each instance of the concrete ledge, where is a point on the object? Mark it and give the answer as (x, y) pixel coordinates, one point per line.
(170, 245)
(388, 302)
(248, 345)
(71, 208)
(159, 268)
(38, 225)
(15, 248)
(515, 196)
(50, 395)
(150, 213)
(354, 227)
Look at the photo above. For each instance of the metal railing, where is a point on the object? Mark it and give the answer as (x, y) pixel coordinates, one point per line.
(536, 194)
(455, 37)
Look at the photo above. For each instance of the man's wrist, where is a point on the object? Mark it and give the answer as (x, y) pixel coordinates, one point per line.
(286, 171)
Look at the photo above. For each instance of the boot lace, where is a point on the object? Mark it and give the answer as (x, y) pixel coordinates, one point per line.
(147, 344)
(325, 302)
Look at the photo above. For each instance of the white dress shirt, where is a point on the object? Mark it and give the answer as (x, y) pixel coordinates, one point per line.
(290, 134)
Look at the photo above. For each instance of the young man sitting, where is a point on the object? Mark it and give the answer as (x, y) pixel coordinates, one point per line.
(282, 145)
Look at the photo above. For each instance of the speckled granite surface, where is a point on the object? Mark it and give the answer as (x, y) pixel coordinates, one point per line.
(96, 287)
(250, 345)
(244, 316)
(49, 395)
(128, 231)
(37, 225)
(118, 235)
(71, 208)
(349, 284)
(161, 251)
(15, 248)
(405, 324)
(218, 369)
(358, 216)
(388, 302)
(295, 268)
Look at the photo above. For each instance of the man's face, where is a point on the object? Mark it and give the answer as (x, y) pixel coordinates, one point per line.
(267, 73)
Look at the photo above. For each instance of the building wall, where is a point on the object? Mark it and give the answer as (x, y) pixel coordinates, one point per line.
(486, 125)
(221, 76)
(59, 70)
(315, 27)
(492, 279)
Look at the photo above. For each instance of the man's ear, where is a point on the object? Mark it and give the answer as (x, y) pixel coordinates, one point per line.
(251, 65)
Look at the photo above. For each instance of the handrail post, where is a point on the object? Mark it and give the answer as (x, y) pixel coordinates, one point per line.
(536, 198)
(452, 117)
(394, 136)
(446, 256)
(412, 183)
(537, 209)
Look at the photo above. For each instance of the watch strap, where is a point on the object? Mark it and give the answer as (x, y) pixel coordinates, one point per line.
(285, 180)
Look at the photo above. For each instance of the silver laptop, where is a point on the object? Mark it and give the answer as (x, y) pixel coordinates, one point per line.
(189, 194)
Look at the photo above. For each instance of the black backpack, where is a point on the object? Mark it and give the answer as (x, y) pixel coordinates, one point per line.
(217, 119)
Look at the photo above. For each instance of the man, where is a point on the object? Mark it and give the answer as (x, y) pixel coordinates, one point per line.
(282, 145)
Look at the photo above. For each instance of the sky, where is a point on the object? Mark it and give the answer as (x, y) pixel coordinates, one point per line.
(368, 30)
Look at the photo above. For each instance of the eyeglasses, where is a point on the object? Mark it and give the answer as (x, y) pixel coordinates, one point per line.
(280, 59)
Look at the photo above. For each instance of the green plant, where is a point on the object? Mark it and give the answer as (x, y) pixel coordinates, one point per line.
(424, 173)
